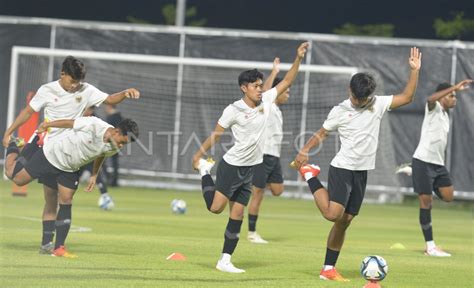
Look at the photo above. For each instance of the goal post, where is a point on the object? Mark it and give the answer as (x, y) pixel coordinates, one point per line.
(170, 133)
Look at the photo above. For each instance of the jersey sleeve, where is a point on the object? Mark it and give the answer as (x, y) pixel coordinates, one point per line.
(228, 117)
(332, 121)
(384, 102)
(270, 95)
(96, 96)
(83, 124)
(39, 100)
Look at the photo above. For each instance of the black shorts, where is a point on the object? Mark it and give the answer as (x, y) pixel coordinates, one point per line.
(39, 168)
(30, 148)
(428, 177)
(347, 187)
(235, 182)
(269, 171)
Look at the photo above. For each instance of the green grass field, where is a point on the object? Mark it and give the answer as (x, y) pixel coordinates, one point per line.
(127, 247)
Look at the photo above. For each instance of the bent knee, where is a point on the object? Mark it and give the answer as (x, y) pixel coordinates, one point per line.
(216, 210)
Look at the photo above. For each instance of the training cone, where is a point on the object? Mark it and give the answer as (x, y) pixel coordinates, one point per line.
(176, 257)
(372, 284)
(398, 246)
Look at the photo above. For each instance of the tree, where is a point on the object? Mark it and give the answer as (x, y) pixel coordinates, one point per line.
(454, 28)
(383, 30)
(169, 13)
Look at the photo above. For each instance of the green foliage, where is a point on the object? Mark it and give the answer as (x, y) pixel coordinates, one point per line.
(169, 14)
(135, 20)
(127, 246)
(382, 30)
(455, 28)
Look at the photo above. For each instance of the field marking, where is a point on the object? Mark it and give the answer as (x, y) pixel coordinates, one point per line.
(74, 228)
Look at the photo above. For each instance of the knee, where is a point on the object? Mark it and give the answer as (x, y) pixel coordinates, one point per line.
(448, 198)
(333, 217)
(277, 191)
(216, 210)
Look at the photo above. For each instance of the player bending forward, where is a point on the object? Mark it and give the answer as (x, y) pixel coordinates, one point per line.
(61, 158)
(357, 120)
(247, 119)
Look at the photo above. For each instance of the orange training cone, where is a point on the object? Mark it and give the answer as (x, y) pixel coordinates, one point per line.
(176, 257)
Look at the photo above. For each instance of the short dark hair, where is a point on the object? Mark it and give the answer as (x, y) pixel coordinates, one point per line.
(127, 126)
(443, 86)
(74, 68)
(249, 76)
(276, 81)
(362, 85)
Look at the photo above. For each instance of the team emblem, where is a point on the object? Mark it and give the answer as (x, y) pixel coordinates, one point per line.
(78, 99)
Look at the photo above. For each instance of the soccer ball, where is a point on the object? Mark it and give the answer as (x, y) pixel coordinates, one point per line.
(178, 206)
(105, 202)
(374, 268)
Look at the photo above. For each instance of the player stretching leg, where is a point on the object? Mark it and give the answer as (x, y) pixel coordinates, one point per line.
(86, 140)
(357, 120)
(247, 118)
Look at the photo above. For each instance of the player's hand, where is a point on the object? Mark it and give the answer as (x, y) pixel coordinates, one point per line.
(415, 59)
(90, 186)
(43, 127)
(302, 49)
(300, 160)
(196, 158)
(276, 65)
(132, 93)
(6, 140)
(464, 84)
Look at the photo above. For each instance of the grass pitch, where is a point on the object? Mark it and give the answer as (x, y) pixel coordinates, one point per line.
(127, 247)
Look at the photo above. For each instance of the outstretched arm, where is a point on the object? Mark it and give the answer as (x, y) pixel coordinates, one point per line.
(120, 96)
(464, 84)
(317, 138)
(64, 123)
(95, 171)
(407, 95)
(210, 141)
(24, 115)
(291, 74)
(268, 83)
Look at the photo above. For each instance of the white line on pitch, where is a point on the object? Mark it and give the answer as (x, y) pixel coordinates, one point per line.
(73, 227)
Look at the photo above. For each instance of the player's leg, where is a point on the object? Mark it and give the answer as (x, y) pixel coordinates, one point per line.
(20, 171)
(443, 185)
(331, 209)
(423, 180)
(275, 179)
(355, 183)
(67, 186)
(259, 181)
(50, 192)
(115, 167)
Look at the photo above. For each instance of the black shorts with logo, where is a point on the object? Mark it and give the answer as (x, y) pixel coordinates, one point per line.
(39, 168)
(428, 177)
(269, 171)
(347, 187)
(235, 182)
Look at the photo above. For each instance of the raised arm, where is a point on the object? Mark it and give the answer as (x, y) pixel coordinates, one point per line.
(464, 84)
(291, 74)
(120, 96)
(303, 155)
(409, 92)
(95, 171)
(24, 115)
(268, 83)
(64, 123)
(207, 144)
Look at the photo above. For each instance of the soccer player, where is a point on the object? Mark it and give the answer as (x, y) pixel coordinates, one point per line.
(247, 119)
(268, 173)
(86, 140)
(429, 172)
(66, 98)
(357, 120)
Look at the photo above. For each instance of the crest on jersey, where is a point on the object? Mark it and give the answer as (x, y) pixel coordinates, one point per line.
(78, 99)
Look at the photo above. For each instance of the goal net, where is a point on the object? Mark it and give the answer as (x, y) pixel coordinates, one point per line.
(181, 101)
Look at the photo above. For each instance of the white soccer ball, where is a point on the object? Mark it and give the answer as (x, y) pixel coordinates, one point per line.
(105, 202)
(178, 206)
(374, 268)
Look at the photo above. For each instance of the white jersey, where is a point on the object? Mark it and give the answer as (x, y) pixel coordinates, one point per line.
(80, 145)
(274, 132)
(358, 132)
(60, 104)
(248, 126)
(434, 136)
